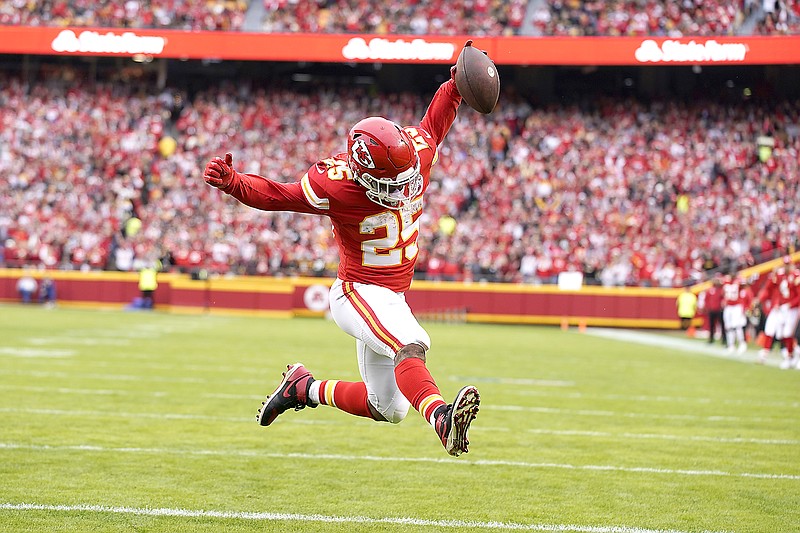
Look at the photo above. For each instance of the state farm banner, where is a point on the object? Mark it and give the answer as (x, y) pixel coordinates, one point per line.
(345, 48)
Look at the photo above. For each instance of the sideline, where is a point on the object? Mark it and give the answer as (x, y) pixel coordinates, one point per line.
(685, 345)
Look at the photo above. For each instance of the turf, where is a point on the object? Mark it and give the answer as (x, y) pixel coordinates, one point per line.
(115, 421)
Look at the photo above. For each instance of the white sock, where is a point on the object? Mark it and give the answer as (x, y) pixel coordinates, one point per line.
(313, 392)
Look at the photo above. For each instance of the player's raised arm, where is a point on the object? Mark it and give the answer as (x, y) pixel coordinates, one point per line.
(442, 110)
(474, 78)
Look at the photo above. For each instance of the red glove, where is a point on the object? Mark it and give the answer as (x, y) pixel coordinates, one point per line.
(453, 68)
(219, 173)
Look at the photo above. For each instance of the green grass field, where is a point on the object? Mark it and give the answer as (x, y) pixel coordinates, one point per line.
(115, 421)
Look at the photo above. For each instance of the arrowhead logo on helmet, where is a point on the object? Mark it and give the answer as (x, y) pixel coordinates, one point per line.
(360, 153)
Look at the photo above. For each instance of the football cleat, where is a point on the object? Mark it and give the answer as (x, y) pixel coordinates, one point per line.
(452, 422)
(292, 393)
(742, 348)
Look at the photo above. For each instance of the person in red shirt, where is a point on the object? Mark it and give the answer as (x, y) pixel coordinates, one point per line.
(711, 304)
(782, 292)
(373, 195)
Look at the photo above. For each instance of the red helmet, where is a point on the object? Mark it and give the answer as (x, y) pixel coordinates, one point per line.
(384, 161)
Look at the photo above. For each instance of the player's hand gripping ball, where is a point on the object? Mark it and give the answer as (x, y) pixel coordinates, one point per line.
(477, 79)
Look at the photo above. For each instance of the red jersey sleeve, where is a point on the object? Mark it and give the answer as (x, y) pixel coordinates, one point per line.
(441, 112)
(262, 193)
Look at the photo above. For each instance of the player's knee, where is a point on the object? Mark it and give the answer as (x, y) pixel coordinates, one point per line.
(416, 351)
(396, 413)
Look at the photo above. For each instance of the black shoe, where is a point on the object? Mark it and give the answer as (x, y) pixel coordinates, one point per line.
(292, 393)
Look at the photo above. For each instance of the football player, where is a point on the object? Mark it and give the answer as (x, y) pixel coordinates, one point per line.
(738, 297)
(373, 194)
(784, 297)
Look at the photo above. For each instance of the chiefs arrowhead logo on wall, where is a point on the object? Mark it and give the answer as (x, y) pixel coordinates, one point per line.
(360, 153)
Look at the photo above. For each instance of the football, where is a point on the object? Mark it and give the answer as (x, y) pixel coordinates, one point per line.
(477, 79)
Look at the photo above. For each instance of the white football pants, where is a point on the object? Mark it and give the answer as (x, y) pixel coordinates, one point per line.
(781, 322)
(381, 322)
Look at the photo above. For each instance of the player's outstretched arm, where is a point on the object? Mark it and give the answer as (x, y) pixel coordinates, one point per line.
(257, 191)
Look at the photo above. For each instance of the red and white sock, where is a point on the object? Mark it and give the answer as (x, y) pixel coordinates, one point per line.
(344, 395)
(417, 384)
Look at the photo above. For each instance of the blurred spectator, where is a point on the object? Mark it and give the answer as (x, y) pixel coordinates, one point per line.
(148, 283)
(687, 307)
(26, 287)
(710, 303)
(47, 292)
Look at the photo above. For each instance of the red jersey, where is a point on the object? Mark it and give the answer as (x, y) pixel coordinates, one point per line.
(377, 245)
(736, 294)
(780, 289)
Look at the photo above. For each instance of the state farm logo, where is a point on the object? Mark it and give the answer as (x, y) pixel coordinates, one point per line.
(379, 48)
(675, 51)
(108, 43)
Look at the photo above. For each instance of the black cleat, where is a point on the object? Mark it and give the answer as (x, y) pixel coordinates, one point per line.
(292, 393)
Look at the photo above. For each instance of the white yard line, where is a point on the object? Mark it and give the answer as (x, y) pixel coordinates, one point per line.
(515, 381)
(293, 517)
(381, 459)
(131, 377)
(35, 352)
(663, 436)
(623, 414)
(122, 414)
(512, 408)
(479, 428)
(82, 341)
(649, 398)
(68, 390)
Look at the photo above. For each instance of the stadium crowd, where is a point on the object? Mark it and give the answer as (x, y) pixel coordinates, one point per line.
(432, 17)
(640, 17)
(780, 17)
(222, 15)
(416, 17)
(625, 192)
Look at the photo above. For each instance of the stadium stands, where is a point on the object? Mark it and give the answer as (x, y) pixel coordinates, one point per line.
(221, 15)
(626, 192)
(639, 17)
(431, 17)
(779, 18)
